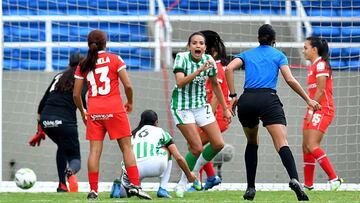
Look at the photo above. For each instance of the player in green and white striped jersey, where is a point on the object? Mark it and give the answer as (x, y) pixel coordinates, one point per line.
(190, 108)
(153, 148)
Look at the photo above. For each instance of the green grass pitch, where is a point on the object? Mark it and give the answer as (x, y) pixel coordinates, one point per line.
(200, 197)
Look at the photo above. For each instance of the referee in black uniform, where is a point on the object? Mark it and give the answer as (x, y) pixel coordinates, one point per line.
(259, 101)
(57, 116)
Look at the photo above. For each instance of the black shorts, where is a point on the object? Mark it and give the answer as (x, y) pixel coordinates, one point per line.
(64, 134)
(260, 104)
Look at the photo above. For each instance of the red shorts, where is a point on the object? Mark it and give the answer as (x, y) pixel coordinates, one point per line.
(320, 121)
(116, 124)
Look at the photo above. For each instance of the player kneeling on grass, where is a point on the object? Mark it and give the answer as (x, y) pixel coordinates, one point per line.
(153, 148)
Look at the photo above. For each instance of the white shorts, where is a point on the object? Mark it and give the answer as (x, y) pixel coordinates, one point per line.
(201, 116)
(153, 166)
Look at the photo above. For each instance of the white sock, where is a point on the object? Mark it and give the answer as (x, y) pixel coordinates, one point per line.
(183, 180)
(199, 163)
(165, 177)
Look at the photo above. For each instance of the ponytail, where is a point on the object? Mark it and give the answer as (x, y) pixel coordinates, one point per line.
(96, 43)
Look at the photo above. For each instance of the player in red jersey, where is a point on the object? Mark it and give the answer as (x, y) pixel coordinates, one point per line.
(106, 111)
(216, 48)
(315, 123)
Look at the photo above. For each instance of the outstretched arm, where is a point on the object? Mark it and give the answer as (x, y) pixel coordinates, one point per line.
(294, 84)
(181, 162)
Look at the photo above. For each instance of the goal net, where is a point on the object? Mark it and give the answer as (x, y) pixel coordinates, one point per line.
(38, 37)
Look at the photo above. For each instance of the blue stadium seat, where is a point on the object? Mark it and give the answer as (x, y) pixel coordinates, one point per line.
(135, 63)
(335, 53)
(322, 12)
(254, 7)
(350, 34)
(354, 64)
(321, 4)
(32, 53)
(39, 65)
(24, 31)
(351, 52)
(331, 34)
(60, 64)
(11, 64)
(353, 12)
(199, 5)
(338, 64)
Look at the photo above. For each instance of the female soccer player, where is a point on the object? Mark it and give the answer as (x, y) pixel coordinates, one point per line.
(316, 122)
(190, 108)
(154, 149)
(260, 101)
(57, 117)
(106, 112)
(216, 48)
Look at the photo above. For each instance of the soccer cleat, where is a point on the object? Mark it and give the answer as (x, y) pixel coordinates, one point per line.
(162, 193)
(62, 188)
(93, 195)
(116, 188)
(180, 190)
(298, 189)
(249, 193)
(335, 184)
(137, 191)
(211, 182)
(191, 189)
(73, 183)
(197, 185)
(309, 187)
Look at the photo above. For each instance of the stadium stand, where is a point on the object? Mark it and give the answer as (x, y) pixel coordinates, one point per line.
(137, 31)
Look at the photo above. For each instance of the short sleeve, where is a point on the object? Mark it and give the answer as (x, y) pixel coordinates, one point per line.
(121, 63)
(166, 138)
(78, 75)
(178, 64)
(213, 70)
(321, 69)
(283, 60)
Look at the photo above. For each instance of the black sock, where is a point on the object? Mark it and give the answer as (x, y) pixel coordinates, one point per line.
(61, 165)
(289, 162)
(251, 160)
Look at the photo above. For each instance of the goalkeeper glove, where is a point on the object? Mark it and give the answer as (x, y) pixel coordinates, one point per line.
(39, 135)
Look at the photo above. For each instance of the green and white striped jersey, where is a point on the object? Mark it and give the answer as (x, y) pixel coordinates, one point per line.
(193, 95)
(148, 140)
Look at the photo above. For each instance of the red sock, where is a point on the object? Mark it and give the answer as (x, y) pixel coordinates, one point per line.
(209, 169)
(324, 162)
(133, 174)
(93, 180)
(309, 169)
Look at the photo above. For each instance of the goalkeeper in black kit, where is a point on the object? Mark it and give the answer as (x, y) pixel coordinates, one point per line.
(57, 119)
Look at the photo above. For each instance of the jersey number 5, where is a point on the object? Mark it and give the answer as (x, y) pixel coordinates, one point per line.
(103, 90)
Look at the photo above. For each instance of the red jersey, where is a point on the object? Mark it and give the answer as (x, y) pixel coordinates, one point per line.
(103, 84)
(317, 69)
(223, 85)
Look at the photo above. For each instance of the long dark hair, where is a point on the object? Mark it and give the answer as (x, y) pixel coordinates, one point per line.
(322, 48)
(96, 42)
(148, 117)
(66, 81)
(215, 44)
(266, 35)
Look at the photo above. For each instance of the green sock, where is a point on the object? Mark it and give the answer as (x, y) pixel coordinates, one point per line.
(209, 153)
(190, 160)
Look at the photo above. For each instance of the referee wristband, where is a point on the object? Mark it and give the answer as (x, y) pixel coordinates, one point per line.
(233, 95)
